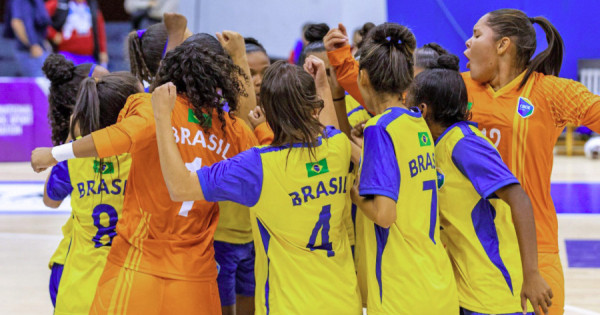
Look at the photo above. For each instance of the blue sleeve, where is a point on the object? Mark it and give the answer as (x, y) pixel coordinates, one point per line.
(481, 163)
(59, 185)
(238, 179)
(380, 173)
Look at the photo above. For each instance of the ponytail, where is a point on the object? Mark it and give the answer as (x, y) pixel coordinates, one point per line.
(136, 58)
(86, 114)
(548, 61)
(146, 50)
(100, 100)
(516, 25)
(387, 57)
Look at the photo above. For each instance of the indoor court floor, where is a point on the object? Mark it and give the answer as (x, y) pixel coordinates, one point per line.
(30, 232)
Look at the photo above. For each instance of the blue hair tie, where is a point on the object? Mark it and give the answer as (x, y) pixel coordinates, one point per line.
(140, 33)
(165, 49)
(389, 39)
(92, 70)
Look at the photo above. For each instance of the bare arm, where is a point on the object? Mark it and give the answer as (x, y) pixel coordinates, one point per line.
(234, 44)
(381, 209)
(50, 203)
(182, 184)
(19, 29)
(534, 287)
(316, 68)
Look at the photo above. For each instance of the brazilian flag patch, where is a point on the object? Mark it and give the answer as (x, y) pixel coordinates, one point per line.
(424, 139)
(193, 119)
(107, 168)
(317, 168)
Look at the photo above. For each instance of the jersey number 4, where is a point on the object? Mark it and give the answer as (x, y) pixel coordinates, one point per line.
(323, 226)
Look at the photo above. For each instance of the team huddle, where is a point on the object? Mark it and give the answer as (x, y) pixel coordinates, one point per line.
(376, 176)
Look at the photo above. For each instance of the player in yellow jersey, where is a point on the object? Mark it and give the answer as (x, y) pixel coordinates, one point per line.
(296, 189)
(65, 79)
(479, 199)
(97, 188)
(408, 269)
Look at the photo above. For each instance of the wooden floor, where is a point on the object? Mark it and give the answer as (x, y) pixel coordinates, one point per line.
(27, 242)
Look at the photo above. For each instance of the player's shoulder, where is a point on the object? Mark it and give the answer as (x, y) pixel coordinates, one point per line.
(136, 103)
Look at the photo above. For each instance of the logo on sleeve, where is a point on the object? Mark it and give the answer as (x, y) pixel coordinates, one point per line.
(317, 168)
(441, 178)
(424, 139)
(104, 168)
(525, 107)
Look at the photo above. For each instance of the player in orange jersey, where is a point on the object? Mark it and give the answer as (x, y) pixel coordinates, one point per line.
(523, 107)
(162, 259)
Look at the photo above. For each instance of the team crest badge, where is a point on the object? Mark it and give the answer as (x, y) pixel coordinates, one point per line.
(441, 178)
(525, 107)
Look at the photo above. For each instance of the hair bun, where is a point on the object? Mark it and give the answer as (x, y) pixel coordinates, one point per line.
(448, 61)
(58, 69)
(393, 34)
(251, 41)
(316, 32)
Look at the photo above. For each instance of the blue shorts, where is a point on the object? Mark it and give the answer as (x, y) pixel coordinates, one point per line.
(55, 275)
(467, 312)
(237, 270)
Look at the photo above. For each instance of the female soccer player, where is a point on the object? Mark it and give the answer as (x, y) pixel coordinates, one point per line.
(162, 257)
(97, 188)
(148, 47)
(408, 269)
(479, 200)
(65, 79)
(296, 189)
(522, 106)
(258, 61)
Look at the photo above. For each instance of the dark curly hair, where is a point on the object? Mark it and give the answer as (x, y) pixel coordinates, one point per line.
(146, 51)
(206, 75)
(65, 79)
(443, 90)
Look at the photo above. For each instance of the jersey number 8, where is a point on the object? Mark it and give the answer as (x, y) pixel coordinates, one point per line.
(109, 230)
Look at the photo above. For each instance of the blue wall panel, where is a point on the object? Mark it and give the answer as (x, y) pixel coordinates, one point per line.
(577, 21)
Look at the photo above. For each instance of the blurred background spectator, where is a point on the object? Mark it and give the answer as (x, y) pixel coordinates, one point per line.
(78, 31)
(147, 12)
(25, 22)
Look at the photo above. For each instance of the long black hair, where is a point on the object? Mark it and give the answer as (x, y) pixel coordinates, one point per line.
(203, 72)
(65, 79)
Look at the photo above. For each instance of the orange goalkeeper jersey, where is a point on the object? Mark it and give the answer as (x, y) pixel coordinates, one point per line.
(156, 235)
(524, 125)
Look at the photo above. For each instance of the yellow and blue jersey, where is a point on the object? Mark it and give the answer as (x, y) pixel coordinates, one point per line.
(408, 269)
(297, 202)
(356, 113)
(97, 188)
(60, 254)
(477, 226)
